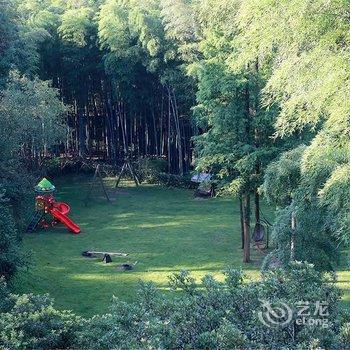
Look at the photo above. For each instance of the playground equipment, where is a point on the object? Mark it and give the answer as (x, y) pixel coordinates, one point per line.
(98, 179)
(261, 233)
(125, 168)
(97, 175)
(205, 185)
(45, 204)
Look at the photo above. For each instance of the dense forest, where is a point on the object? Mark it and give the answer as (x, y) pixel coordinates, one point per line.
(119, 73)
(254, 92)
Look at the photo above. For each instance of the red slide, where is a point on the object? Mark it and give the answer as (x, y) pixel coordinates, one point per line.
(64, 219)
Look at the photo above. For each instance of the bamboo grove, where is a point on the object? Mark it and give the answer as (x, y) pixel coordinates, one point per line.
(120, 75)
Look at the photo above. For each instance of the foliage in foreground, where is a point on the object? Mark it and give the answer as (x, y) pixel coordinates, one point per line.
(10, 258)
(215, 316)
(30, 322)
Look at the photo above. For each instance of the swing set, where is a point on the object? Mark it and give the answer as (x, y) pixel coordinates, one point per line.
(98, 178)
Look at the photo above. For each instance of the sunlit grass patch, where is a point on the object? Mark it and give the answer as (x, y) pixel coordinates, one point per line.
(164, 230)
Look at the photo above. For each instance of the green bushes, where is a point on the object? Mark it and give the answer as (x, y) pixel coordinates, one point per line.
(148, 168)
(172, 180)
(218, 315)
(30, 322)
(154, 170)
(10, 258)
(66, 165)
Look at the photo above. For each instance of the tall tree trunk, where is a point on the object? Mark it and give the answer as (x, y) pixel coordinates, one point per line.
(292, 238)
(246, 226)
(178, 131)
(111, 134)
(155, 139)
(242, 220)
(257, 206)
(81, 130)
(122, 126)
(185, 154)
(146, 135)
(131, 136)
(169, 132)
(126, 134)
(161, 136)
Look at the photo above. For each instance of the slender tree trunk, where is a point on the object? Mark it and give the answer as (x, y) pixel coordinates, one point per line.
(169, 132)
(122, 126)
(81, 131)
(67, 142)
(183, 133)
(126, 134)
(246, 225)
(246, 196)
(111, 135)
(257, 206)
(292, 238)
(135, 135)
(242, 220)
(146, 135)
(178, 133)
(131, 136)
(161, 136)
(154, 132)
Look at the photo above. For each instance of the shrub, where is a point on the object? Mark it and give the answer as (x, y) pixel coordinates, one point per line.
(345, 335)
(172, 180)
(10, 258)
(53, 166)
(212, 315)
(148, 168)
(31, 322)
(16, 184)
(221, 315)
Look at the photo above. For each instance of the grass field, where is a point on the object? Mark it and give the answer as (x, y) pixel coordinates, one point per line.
(164, 230)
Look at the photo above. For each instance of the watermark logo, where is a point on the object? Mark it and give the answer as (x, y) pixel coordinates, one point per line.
(277, 315)
(304, 313)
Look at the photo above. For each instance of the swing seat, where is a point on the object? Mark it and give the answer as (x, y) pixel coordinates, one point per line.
(203, 192)
(258, 233)
(205, 185)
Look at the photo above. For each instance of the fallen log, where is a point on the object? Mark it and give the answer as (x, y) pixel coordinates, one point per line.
(94, 254)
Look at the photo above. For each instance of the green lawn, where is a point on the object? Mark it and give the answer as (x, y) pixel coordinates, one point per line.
(164, 230)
